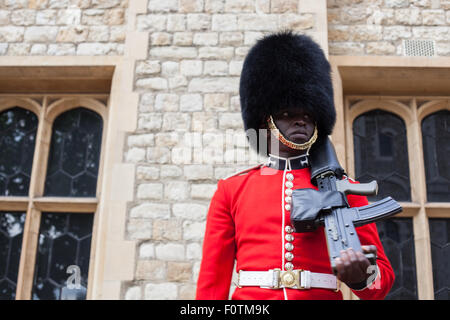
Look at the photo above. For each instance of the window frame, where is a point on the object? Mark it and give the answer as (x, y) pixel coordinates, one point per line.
(412, 110)
(47, 107)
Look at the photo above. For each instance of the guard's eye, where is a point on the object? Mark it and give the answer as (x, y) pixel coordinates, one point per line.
(285, 114)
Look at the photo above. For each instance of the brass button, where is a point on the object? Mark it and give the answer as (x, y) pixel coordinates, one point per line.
(288, 192)
(287, 207)
(289, 266)
(289, 184)
(289, 256)
(289, 246)
(288, 229)
(290, 176)
(289, 237)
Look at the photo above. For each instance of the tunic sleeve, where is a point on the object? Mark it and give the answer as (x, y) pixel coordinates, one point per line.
(383, 275)
(219, 249)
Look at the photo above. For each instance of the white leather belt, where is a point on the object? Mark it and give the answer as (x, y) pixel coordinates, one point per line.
(295, 279)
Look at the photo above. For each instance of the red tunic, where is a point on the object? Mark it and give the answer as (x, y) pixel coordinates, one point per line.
(246, 222)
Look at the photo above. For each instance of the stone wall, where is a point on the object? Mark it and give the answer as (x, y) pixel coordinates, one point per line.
(62, 27)
(189, 132)
(377, 27)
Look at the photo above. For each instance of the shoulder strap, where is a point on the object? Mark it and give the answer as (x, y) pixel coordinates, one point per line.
(244, 171)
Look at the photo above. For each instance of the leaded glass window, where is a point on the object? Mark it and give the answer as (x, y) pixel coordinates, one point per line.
(436, 151)
(381, 154)
(396, 235)
(11, 233)
(440, 252)
(17, 140)
(46, 216)
(74, 154)
(62, 262)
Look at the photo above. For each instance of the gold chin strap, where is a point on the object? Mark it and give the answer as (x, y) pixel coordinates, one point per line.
(297, 146)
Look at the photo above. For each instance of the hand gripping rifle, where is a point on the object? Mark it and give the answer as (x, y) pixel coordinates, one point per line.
(328, 206)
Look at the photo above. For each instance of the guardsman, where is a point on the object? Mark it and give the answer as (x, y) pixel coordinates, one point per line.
(286, 91)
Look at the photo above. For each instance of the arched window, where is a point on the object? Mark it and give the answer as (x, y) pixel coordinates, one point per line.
(74, 154)
(65, 238)
(11, 234)
(397, 237)
(18, 129)
(436, 153)
(62, 262)
(50, 151)
(404, 144)
(440, 242)
(381, 153)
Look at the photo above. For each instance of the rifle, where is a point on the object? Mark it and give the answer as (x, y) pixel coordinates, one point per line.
(328, 206)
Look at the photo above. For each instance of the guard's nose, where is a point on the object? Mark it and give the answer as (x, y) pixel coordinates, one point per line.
(300, 121)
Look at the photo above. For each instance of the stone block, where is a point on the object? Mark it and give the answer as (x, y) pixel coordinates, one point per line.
(170, 252)
(150, 270)
(191, 67)
(40, 34)
(218, 102)
(198, 172)
(193, 230)
(190, 211)
(164, 230)
(152, 191)
(151, 211)
(179, 271)
(191, 102)
(138, 229)
(161, 291)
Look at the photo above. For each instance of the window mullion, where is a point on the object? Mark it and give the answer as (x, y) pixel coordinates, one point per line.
(417, 168)
(420, 221)
(33, 216)
(423, 254)
(28, 253)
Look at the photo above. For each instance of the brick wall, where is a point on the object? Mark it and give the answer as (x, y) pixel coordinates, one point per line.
(377, 27)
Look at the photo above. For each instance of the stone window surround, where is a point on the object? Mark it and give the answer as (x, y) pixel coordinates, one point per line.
(46, 108)
(109, 250)
(113, 258)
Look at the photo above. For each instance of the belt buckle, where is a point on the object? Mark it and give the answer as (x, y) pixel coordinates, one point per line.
(290, 279)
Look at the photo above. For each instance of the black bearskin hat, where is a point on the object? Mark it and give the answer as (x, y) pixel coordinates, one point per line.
(286, 71)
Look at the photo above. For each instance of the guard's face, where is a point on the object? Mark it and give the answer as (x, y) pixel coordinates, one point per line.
(296, 126)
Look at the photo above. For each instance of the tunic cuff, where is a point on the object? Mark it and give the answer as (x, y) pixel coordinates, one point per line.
(366, 284)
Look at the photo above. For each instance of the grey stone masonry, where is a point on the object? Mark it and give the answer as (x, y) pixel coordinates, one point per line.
(377, 27)
(62, 28)
(189, 132)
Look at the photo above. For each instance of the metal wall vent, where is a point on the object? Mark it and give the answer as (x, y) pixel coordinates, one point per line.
(419, 48)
